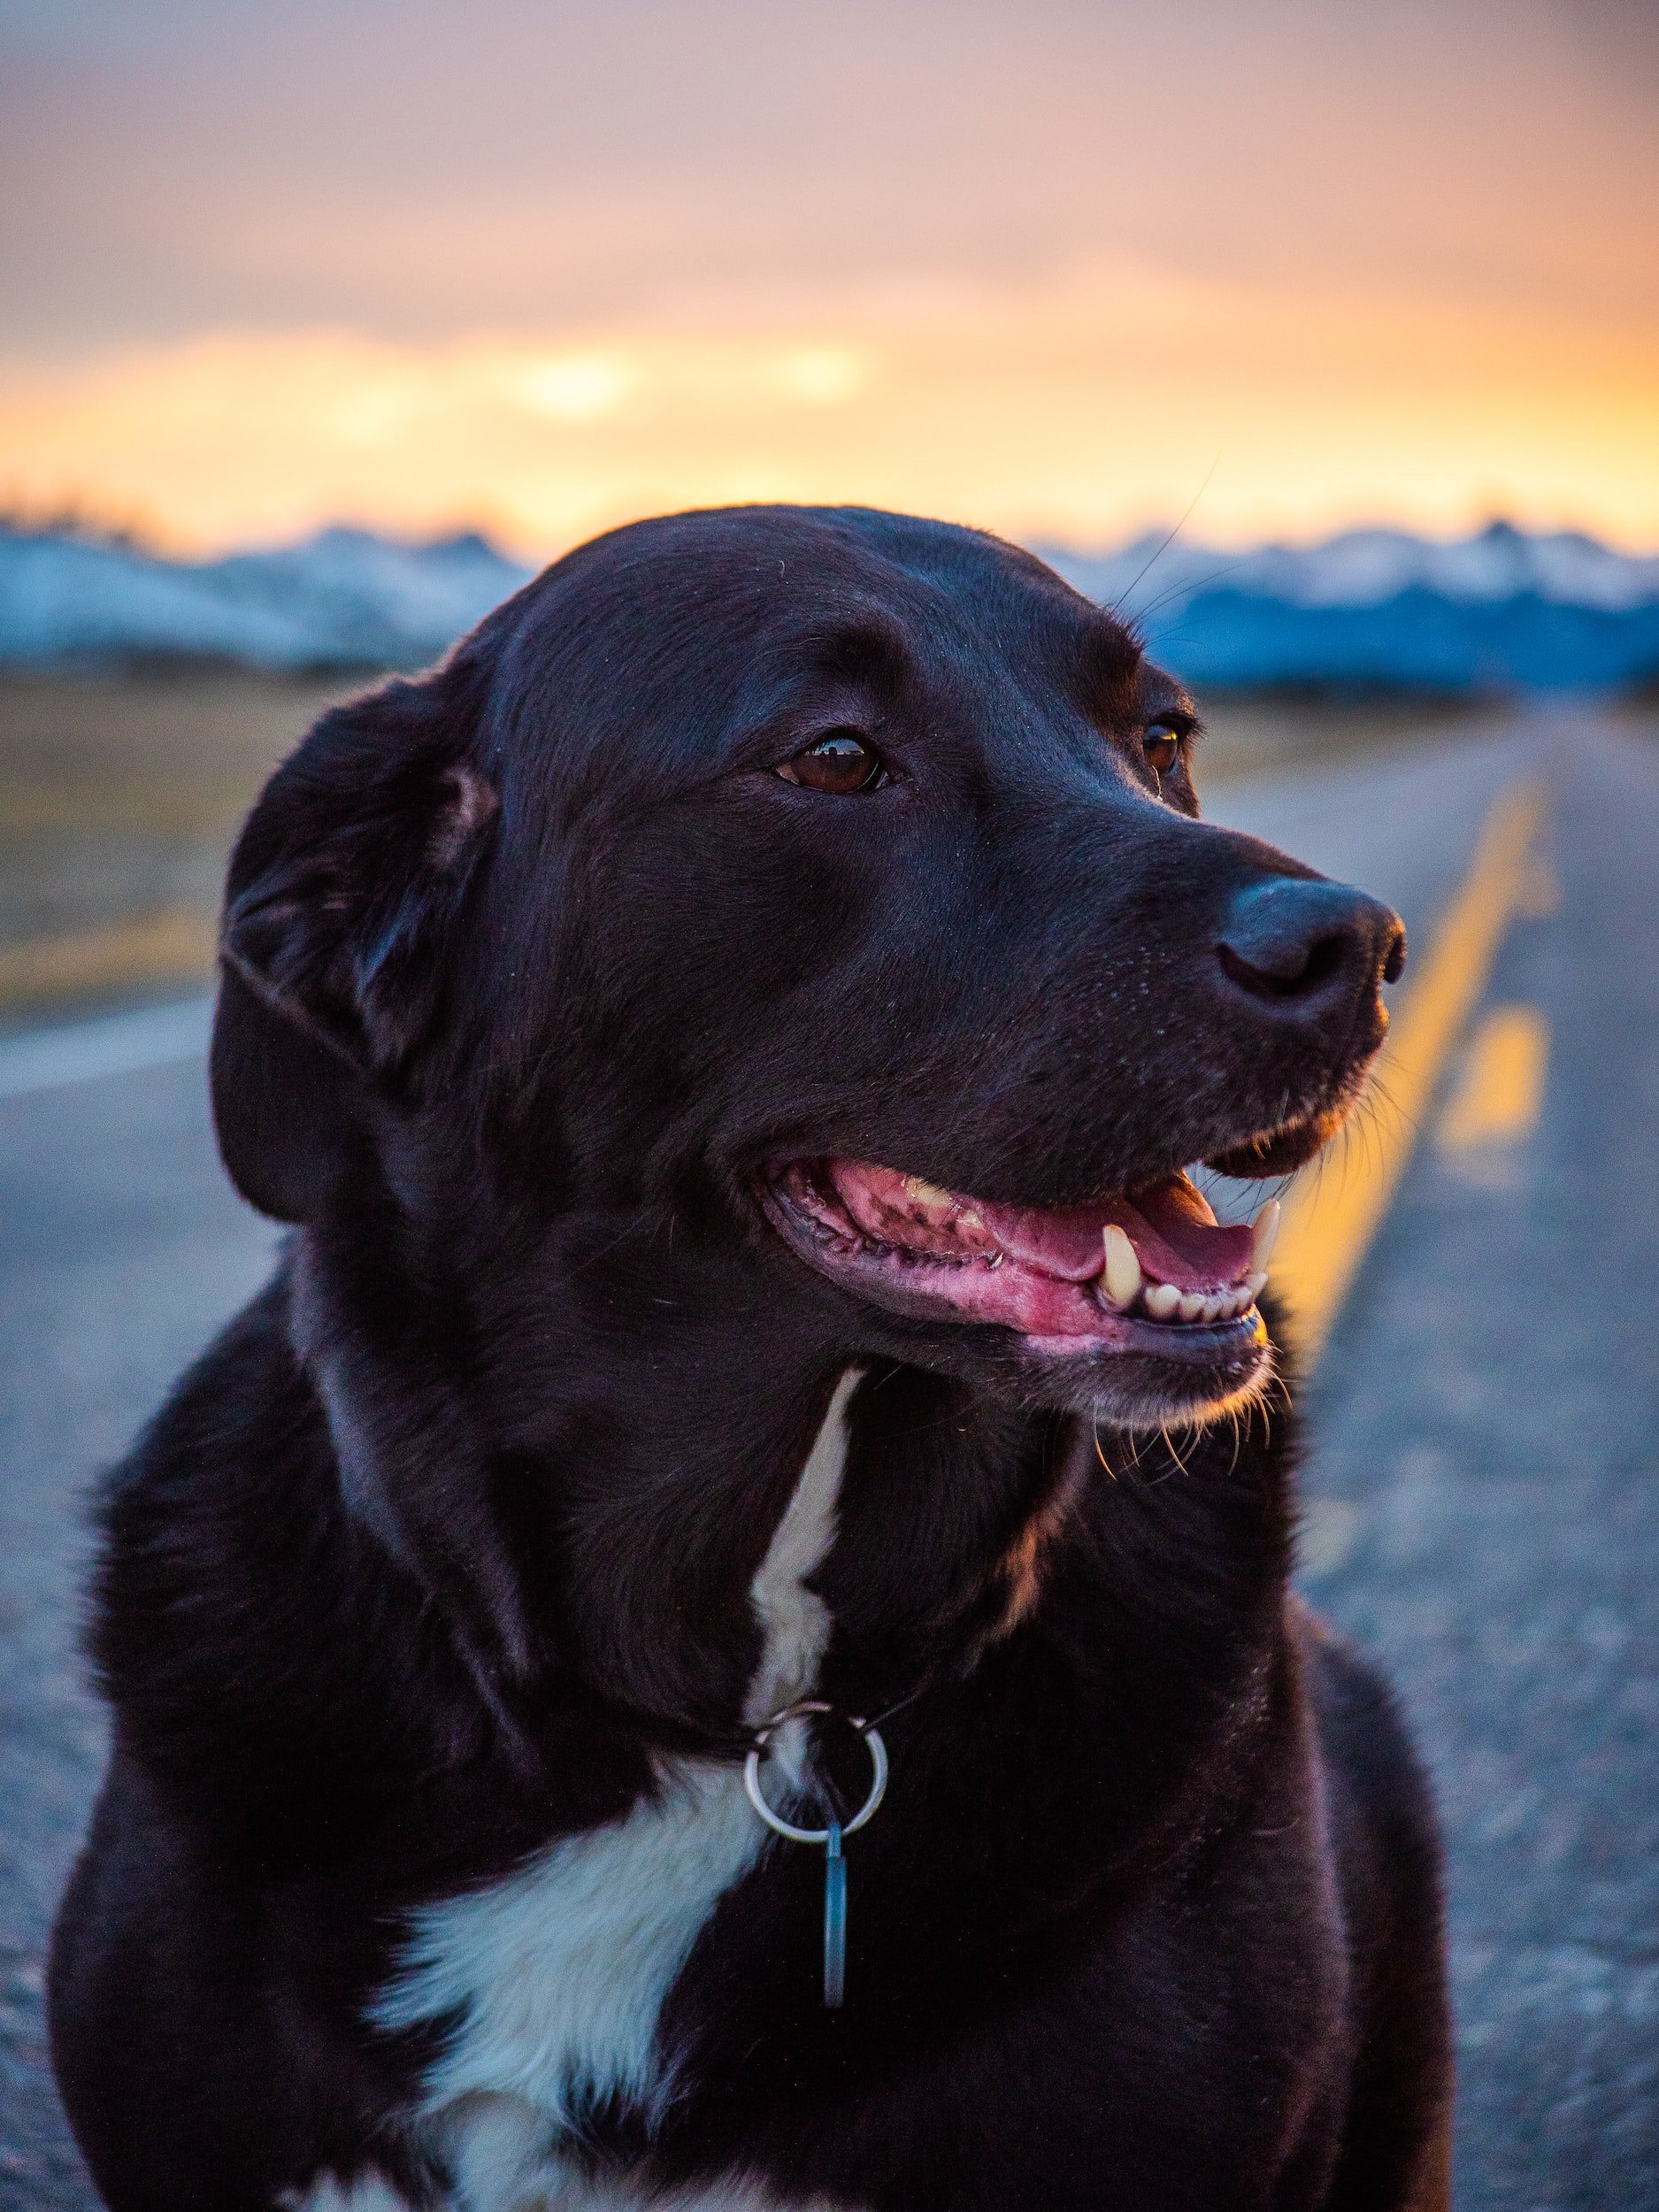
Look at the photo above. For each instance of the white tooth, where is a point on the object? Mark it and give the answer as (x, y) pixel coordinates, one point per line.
(927, 1196)
(1218, 1306)
(1162, 1300)
(1122, 1275)
(1264, 1234)
(1191, 1305)
(1254, 1285)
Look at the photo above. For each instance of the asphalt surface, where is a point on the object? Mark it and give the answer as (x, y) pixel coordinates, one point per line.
(1484, 1513)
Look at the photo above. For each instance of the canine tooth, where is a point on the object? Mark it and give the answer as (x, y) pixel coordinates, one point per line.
(1264, 1234)
(1122, 1275)
(1192, 1304)
(1162, 1300)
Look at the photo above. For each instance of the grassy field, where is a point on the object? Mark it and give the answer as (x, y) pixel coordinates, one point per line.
(120, 798)
(118, 801)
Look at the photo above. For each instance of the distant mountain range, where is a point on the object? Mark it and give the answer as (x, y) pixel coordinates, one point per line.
(1372, 609)
(343, 599)
(1380, 609)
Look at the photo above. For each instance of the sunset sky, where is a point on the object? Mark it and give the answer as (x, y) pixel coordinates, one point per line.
(1054, 267)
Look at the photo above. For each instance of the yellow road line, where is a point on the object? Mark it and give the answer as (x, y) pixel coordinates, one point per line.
(1333, 1210)
(1500, 1091)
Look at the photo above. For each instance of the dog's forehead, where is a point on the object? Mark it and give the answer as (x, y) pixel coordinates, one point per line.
(729, 597)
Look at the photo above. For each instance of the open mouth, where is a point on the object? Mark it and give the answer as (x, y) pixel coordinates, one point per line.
(1148, 1270)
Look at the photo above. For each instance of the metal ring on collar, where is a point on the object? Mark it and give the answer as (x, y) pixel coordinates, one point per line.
(874, 1745)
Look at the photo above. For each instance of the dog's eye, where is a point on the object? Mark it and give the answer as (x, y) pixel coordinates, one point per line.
(840, 763)
(1161, 742)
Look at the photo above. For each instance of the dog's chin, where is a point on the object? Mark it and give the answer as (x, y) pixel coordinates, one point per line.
(1191, 1375)
(1138, 1309)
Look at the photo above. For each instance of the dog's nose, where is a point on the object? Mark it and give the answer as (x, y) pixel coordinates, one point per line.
(1308, 944)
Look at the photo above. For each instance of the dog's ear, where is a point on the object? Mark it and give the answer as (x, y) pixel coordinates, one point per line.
(342, 890)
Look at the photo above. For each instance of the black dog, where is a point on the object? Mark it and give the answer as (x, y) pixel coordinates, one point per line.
(730, 1039)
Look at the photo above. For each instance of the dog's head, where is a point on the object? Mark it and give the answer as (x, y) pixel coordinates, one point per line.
(820, 895)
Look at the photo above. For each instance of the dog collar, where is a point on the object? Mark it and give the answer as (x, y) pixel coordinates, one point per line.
(831, 1837)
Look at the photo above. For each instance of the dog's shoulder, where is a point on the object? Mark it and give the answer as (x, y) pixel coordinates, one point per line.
(1367, 1746)
(269, 1663)
(230, 1467)
(1384, 1841)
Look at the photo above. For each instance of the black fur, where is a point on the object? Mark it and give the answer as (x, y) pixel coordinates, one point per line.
(532, 967)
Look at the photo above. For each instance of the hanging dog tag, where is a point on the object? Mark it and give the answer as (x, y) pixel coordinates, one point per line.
(830, 1838)
(834, 1920)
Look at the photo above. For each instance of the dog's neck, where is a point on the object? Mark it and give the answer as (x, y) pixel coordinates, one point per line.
(587, 1511)
(598, 1499)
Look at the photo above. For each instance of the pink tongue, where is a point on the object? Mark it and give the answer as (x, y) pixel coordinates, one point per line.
(1176, 1236)
(1177, 1239)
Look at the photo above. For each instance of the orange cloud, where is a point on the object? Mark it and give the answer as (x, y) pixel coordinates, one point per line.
(1076, 404)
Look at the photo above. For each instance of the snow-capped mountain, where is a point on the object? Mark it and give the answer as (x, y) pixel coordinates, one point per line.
(1499, 610)
(1366, 568)
(344, 598)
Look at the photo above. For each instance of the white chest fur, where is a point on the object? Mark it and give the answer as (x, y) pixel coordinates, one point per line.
(558, 1974)
(548, 2190)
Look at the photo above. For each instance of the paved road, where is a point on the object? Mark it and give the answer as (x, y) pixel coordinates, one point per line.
(1484, 1509)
